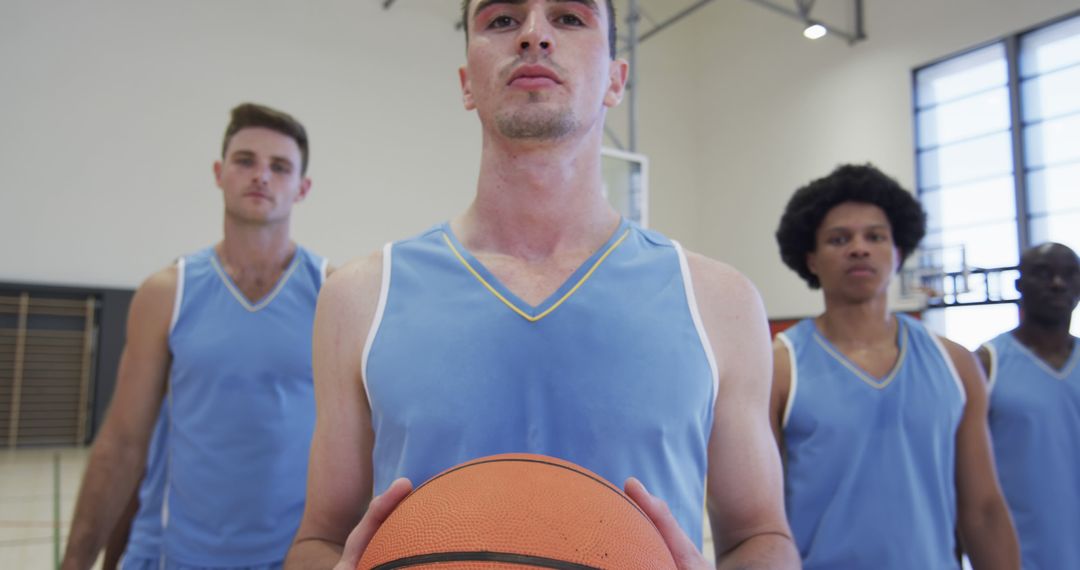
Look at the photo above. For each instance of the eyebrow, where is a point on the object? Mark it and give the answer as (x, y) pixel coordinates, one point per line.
(850, 229)
(484, 4)
(245, 153)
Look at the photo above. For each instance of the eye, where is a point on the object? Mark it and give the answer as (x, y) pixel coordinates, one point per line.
(836, 240)
(570, 20)
(500, 22)
(243, 160)
(280, 168)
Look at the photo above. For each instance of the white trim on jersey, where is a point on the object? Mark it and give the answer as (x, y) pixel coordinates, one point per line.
(1062, 374)
(322, 271)
(695, 314)
(794, 384)
(952, 367)
(384, 291)
(239, 296)
(179, 294)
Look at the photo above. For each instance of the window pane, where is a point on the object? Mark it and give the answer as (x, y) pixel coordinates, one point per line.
(969, 161)
(1054, 189)
(970, 204)
(1050, 48)
(974, 325)
(1053, 142)
(959, 76)
(965, 118)
(1062, 228)
(1053, 95)
(993, 245)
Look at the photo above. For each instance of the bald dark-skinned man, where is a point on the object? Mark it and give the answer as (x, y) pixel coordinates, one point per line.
(1035, 409)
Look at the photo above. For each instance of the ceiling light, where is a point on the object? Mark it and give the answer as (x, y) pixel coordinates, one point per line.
(815, 31)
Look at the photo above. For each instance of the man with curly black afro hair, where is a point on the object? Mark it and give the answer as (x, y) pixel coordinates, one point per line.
(848, 183)
(882, 424)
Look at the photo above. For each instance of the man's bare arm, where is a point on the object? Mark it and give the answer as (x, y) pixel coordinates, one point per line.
(986, 527)
(983, 355)
(745, 479)
(118, 538)
(339, 471)
(781, 390)
(118, 457)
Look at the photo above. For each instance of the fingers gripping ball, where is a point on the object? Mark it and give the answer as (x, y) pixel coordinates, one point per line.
(517, 511)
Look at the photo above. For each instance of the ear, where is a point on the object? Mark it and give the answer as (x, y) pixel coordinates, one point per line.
(1020, 285)
(617, 75)
(217, 173)
(466, 89)
(305, 187)
(811, 262)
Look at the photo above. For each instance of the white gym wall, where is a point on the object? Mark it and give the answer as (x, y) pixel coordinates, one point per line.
(113, 112)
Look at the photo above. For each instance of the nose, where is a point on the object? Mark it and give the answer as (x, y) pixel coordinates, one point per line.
(535, 35)
(262, 174)
(858, 248)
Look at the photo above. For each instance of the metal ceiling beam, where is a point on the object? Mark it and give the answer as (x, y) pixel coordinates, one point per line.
(802, 13)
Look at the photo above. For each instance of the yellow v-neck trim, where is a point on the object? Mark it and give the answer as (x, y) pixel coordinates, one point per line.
(859, 372)
(239, 296)
(515, 308)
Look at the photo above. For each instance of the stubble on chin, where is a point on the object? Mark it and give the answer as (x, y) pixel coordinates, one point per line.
(535, 123)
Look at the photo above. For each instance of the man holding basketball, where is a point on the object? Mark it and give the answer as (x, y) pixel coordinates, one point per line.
(539, 321)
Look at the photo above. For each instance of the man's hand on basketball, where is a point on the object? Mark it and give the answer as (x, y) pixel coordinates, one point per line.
(686, 555)
(377, 511)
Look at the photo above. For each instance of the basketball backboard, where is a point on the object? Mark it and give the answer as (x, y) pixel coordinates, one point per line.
(626, 183)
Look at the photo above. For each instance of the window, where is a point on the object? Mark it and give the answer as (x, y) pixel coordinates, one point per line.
(997, 148)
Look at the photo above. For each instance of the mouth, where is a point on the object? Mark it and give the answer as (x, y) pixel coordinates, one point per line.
(257, 195)
(534, 77)
(861, 270)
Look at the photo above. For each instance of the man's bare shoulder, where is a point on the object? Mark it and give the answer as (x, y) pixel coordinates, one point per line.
(161, 282)
(354, 282)
(956, 351)
(733, 315)
(966, 364)
(717, 281)
(779, 347)
(157, 293)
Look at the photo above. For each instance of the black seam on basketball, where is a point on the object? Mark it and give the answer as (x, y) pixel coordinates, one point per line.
(606, 484)
(503, 557)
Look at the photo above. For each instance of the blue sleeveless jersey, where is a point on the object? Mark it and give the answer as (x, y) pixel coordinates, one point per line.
(241, 413)
(870, 462)
(1035, 426)
(144, 540)
(612, 372)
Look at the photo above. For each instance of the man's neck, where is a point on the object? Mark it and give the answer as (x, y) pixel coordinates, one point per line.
(858, 324)
(256, 248)
(1044, 338)
(534, 200)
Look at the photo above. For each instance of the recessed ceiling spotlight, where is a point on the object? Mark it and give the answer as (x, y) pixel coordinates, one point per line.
(815, 31)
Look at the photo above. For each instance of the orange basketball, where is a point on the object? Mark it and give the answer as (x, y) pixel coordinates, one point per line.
(517, 511)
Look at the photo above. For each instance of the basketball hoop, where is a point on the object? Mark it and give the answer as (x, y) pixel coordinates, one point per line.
(933, 273)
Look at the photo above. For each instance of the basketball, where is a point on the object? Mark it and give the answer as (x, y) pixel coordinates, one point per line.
(517, 511)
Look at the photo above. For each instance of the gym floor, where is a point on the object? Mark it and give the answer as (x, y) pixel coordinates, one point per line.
(37, 496)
